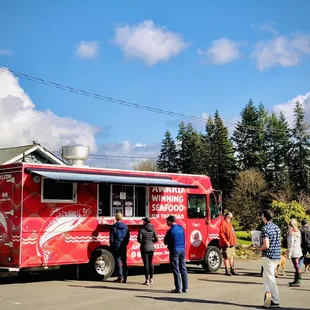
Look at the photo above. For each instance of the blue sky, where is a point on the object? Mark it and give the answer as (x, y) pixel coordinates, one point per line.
(190, 57)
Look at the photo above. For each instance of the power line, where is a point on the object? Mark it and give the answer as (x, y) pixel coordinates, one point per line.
(115, 156)
(123, 102)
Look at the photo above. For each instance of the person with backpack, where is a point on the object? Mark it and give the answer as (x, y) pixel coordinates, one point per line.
(147, 237)
(305, 241)
(119, 239)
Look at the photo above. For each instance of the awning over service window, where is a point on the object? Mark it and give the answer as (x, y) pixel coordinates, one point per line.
(110, 179)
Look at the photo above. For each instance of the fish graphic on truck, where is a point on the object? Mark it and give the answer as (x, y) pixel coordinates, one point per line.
(60, 221)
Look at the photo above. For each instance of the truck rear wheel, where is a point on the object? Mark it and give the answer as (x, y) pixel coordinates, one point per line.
(101, 265)
(213, 259)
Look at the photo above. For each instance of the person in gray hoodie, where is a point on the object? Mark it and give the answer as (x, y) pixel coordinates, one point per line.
(147, 237)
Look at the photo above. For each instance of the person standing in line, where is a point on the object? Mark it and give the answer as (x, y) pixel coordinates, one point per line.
(305, 241)
(119, 239)
(271, 252)
(175, 240)
(294, 250)
(228, 243)
(147, 237)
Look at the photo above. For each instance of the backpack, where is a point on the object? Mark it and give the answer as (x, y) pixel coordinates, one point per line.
(306, 237)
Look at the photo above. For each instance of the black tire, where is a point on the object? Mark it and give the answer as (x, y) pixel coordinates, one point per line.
(101, 265)
(213, 259)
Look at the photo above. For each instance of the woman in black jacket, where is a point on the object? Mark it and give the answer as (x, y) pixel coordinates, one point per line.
(147, 237)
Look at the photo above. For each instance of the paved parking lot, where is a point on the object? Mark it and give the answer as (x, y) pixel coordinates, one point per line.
(207, 291)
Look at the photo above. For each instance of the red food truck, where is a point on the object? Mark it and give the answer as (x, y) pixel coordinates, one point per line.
(52, 215)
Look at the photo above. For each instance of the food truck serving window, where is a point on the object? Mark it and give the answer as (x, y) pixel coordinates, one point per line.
(127, 199)
(53, 191)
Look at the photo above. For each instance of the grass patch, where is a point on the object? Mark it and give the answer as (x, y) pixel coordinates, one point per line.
(244, 242)
(244, 235)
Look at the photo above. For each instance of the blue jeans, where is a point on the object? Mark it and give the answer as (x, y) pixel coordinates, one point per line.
(120, 256)
(177, 261)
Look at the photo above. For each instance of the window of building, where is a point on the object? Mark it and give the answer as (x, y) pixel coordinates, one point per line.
(197, 206)
(129, 200)
(53, 191)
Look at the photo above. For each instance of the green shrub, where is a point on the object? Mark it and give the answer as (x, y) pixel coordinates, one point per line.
(285, 211)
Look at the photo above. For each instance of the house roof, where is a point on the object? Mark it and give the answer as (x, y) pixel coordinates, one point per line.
(9, 153)
(16, 154)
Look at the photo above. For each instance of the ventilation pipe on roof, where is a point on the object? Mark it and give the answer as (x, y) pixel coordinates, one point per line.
(75, 155)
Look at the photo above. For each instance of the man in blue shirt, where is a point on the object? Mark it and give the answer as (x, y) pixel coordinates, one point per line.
(175, 240)
(271, 253)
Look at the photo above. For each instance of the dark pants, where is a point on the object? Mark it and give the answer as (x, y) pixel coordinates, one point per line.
(120, 256)
(177, 261)
(147, 258)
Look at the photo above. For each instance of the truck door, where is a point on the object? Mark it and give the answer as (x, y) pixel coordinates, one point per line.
(196, 226)
(215, 210)
(6, 214)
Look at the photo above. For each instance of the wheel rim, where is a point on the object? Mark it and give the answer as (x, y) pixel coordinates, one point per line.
(213, 259)
(102, 265)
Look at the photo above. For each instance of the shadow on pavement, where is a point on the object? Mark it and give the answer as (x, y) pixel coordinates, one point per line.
(124, 288)
(301, 289)
(214, 302)
(238, 282)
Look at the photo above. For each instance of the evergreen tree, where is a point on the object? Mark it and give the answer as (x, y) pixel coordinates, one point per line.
(167, 160)
(263, 122)
(278, 146)
(300, 168)
(209, 164)
(221, 159)
(190, 149)
(247, 138)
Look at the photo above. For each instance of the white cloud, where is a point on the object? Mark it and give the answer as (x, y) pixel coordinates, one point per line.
(6, 52)
(221, 52)
(149, 42)
(86, 50)
(124, 155)
(268, 26)
(288, 108)
(21, 123)
(281, 50)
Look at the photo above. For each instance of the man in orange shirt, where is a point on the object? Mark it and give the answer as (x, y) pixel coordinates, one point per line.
(228, 242)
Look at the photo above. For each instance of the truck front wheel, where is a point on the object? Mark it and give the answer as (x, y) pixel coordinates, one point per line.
(213, 259)
(101, 265)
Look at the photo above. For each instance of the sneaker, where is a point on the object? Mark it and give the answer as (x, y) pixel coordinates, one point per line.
(118, 280)
(175, 291)
(185, 290)
(294, 284)
(267, 300)
(274, 305)
(147, 282)
(227, 272)
(151, 282)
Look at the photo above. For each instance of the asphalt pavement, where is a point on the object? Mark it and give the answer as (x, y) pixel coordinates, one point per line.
(206, 291)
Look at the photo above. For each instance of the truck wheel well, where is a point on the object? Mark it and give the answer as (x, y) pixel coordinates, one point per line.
(214, 242)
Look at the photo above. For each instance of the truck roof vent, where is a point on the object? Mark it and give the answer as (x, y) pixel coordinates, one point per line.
(75, 155)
